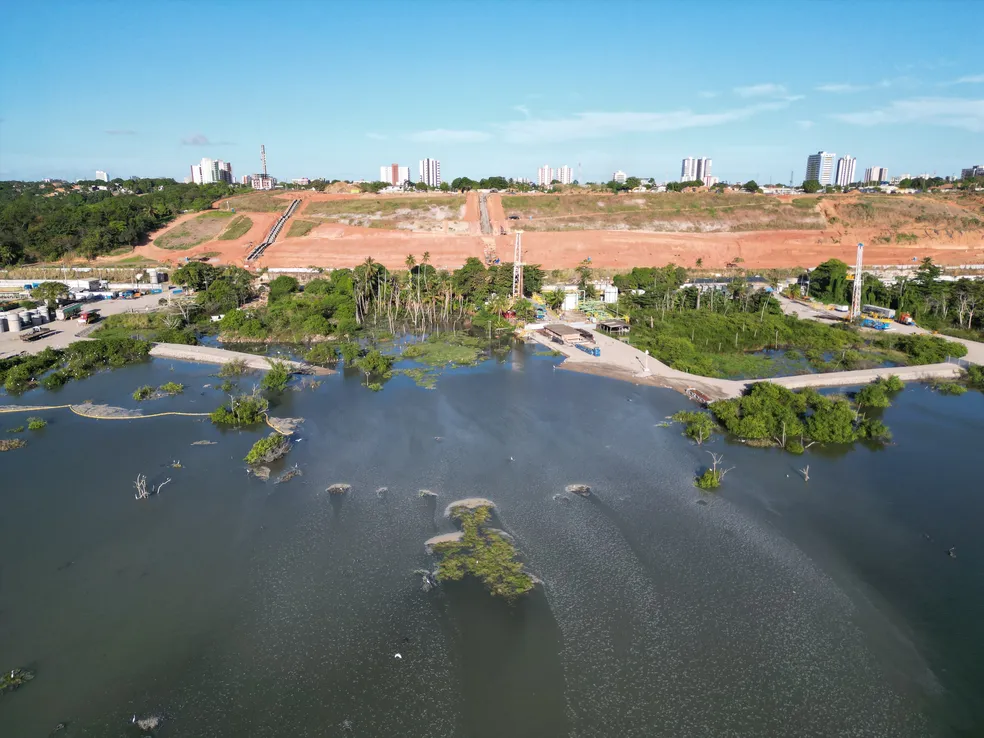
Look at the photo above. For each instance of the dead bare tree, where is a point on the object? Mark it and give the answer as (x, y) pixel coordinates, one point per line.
(159, 487)
(717, 459)
(141, 485)
(805, 471)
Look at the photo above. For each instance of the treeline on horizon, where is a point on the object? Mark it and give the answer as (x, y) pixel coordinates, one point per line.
(44, 221)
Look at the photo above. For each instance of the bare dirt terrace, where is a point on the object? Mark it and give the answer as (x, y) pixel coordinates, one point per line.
(341, 230)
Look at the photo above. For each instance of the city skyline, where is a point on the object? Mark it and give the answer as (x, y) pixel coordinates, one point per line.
(923, 115)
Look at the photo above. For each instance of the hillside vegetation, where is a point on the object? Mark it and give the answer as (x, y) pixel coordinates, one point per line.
(45, 221)
(197, 230)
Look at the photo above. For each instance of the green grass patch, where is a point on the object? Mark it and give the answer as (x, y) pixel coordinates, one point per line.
(201, 228)
(238, 228)
(300, 228)
(804, 203)
(146, 326)
(257, 202)
(426, 378)
(447, 349)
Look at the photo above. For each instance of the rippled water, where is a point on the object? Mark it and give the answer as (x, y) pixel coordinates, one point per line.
(238, 607)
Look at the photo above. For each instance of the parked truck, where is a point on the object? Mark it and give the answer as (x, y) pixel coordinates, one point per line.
(906, 319)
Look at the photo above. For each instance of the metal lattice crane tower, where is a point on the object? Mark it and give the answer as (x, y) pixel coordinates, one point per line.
(263, 158)
(518, 266)
(858, 282)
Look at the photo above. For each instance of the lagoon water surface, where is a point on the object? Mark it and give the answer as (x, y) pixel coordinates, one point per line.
(238, 607)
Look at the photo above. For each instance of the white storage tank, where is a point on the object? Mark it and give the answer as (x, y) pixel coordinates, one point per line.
(3, 322)
(13, 322)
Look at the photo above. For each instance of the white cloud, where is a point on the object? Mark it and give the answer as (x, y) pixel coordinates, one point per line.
(603, 124)
(707, 94)
(767, 89)
(522, 109)
(805, 124)
(376, 136)
(120, 132)
(952, 112)
(973, 79)
(200, 139)
(841, 87)
(443, 135)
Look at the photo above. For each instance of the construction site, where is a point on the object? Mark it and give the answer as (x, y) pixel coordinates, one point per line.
(299, 229)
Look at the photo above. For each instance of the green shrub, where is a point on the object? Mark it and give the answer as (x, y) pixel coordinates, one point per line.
(699, 425)
(948, 388)
(894, 383)
(975, 376)
(16, 429)
(36, 423)
(242, 410)
(234, 368)
(268, 449)
(171, 388)
(277, 377)
(323, 354)
(710, 479)
(143, 393)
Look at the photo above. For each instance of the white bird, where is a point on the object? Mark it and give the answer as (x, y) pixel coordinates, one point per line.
(133, 719)
(397, 656)
(511, 458)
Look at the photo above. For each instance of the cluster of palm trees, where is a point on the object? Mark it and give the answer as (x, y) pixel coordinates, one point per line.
(421, 294)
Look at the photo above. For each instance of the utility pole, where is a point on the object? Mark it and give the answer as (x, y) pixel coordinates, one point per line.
(517, 286)
(858, 279)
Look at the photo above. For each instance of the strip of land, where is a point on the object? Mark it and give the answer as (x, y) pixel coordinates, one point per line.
(619, 360)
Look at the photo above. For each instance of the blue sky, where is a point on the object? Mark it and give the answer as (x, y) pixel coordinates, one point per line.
(335, 89)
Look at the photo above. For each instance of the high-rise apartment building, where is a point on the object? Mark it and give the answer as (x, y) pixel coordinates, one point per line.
(301, 181)
(820, 166)
(876, 174)
(394, 174)
(430, 172)
(565, 174)
(102, 176)
(210, 171)
(619, 177)
(845, 170)
(544, 176)
(692, 169)
(975, 171)
(688, 170)
(262, 182)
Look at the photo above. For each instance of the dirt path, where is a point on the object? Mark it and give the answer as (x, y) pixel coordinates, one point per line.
(496, 214)
(472, 215)
(619, 360)
(483, 211)
(210, 355)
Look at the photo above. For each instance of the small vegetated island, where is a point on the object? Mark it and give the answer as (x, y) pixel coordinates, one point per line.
(771, 415)
(481, 552)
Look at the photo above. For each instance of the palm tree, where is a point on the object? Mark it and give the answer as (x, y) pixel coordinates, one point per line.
(424, 261)
(554, 299)
(498, 304)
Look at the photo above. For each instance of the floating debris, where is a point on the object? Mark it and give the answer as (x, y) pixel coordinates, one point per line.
(176, 464)
(952, 552)
(428, 579)
(426, 493)
(443, 538)
(382, 491)
(152, 722)
(261, 472)
(204, 443)
(9, 444)
(562, 498)
(285, 426)
(289, 474)
(92, 410)
(471, 503)
(338, 488)
(578, 489)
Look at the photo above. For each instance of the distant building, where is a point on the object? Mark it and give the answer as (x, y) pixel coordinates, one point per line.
(619, 177)
(565, 174)
(301, 181)
(430, 172)
(688, 169)
(820, 166)
(544, 175)
(975, 171)
(703, 169)
(210, 171)
(100, 175)
(876, 174)
(710, 181)
(523, 180)
(394, 174)
(246, 179)
(845, 170)
(263, 182)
